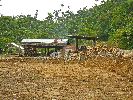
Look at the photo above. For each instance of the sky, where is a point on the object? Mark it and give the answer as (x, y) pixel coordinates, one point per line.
(25, 7)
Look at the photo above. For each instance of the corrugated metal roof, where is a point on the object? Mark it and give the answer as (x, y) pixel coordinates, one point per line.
(47, 41)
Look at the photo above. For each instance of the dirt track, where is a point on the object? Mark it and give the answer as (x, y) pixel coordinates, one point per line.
(99, 79)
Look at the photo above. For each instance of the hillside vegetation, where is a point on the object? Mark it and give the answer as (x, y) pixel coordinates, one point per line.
(112, 21)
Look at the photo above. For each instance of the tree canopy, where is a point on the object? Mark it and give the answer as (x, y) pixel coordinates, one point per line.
(112, 21)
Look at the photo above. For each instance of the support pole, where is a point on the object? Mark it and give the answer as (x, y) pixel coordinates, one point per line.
(94, 42)
(76, 44)
(45, 51)
(48, 52)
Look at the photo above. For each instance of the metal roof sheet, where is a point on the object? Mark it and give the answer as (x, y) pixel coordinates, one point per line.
(47, 41)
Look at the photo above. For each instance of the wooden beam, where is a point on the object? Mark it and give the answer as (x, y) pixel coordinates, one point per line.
(82, 37)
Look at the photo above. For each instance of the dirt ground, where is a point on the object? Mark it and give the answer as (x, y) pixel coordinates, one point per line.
(39, 79)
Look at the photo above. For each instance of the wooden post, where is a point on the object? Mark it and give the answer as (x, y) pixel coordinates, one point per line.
(94, 42)
(55, 49)
(45, 52)
(48, 52)
(76, 44)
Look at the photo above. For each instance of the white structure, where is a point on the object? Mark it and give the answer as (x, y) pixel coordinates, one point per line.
(45, 41)
(17, 46)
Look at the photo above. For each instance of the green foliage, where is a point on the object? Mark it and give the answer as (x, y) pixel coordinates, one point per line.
(112, 21)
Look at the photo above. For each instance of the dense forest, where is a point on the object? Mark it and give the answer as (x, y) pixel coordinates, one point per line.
(112, 22)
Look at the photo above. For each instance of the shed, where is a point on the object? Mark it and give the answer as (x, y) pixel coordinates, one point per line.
(31, 45)
(79, 37)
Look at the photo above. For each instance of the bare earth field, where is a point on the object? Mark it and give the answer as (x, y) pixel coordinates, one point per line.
(38, 79)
